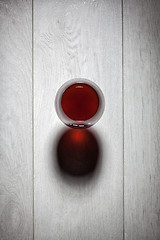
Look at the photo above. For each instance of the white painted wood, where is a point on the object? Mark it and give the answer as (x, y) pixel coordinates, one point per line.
(142, 119)
(16, 190)
(77, 39)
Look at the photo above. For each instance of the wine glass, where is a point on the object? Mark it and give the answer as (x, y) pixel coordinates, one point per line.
(79, 103)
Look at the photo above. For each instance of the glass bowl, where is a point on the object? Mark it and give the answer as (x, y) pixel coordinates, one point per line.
(79, 103)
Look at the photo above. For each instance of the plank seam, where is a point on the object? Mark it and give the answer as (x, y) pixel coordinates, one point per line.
(33, 109)
(123, 116)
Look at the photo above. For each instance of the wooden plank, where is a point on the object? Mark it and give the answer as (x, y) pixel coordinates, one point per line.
(16, 190)
(142, 119)
(78, 39)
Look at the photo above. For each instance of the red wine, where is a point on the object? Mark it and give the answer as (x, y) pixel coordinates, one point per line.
(80, 102)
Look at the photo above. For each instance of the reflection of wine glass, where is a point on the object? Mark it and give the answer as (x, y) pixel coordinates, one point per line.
(79, 103)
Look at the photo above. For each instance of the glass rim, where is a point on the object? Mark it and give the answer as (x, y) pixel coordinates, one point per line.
(79, 123)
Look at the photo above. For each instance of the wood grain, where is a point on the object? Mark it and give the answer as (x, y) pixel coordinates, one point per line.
(78, 39)
(15, 120)
(142, 119)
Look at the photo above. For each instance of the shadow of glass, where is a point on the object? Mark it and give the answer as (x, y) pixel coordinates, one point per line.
(75, 160)
(77, 152)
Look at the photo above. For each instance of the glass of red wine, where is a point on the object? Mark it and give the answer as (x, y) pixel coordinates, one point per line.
(79, 103)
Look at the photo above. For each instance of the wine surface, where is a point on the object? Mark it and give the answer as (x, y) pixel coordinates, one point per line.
(80, 102)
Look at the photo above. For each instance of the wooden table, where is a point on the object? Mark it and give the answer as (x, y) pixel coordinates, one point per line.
(116, 44)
